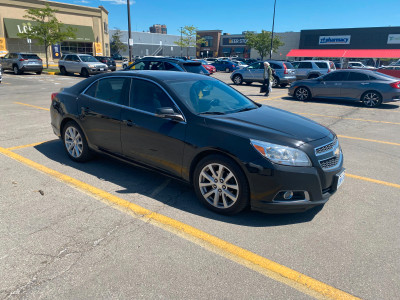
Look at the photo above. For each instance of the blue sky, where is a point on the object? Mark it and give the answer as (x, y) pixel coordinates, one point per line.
(236, 16)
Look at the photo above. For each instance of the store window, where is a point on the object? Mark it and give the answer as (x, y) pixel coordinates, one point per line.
(208, 41)
(77, 47)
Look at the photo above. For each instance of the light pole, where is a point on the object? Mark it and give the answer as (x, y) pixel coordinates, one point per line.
(129, 31)
(272, 35)
(181, 41)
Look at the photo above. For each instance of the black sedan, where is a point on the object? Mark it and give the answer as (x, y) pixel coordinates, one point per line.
(235, 152)
(109, 61)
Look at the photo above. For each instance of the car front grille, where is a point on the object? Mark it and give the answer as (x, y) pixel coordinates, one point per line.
(325, 148)
(330, 162)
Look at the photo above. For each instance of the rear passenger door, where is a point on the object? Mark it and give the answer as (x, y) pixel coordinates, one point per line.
(147, 138)
(100, 112)
(355, 85)
(302, 69)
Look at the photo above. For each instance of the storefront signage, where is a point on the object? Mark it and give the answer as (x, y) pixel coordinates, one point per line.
(55, 49)
(393, 39)
(234, 41)
(335, 40)
(98, 49)
(3, 49)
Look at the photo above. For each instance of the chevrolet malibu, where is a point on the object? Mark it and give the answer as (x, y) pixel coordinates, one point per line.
(236, 153)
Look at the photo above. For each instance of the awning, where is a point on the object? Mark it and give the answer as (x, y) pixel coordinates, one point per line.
(15, 26)
(239, 50)
(348, 53)
(226, 50)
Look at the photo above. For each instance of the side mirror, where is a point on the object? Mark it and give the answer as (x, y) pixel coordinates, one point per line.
(169, 113)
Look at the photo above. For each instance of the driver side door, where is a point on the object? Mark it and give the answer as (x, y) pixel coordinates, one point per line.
(330, 85)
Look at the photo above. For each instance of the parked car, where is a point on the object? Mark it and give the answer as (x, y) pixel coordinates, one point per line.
(109, 61)
(210, 60)
(225, 65)
(211, 69)
(83, 64)
(358, 65)
(308, 69)
(369, 87)
(284, 73)
(250, 61)
(22, 62)
(235, 152)
(240, 64)
(1, 73)
(118, 56)
(168, 64)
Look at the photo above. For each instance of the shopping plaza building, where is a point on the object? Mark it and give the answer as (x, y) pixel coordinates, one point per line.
(90, 24)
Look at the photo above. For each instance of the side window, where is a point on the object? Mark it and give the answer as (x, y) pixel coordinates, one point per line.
(336, 76)
(156, 65)
(7, 55)
(113, 89)
(305, 65)
(170, 67)
(74, 58)
(355, 76)
(275, 66)
(321, 65)
(148, 97)
(139, 66)
(67, 58)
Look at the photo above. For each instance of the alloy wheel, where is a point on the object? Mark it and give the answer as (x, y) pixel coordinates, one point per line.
(371, 99)
(73, 142)
(237, 79)
(302, 93)
(219, 186)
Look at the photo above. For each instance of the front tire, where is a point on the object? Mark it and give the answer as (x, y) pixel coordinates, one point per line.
(371, 99)
(16, 70)
(221, 185)
(84, 73)
(63, 71)
(75, 143)
(302, 93)
(237, 79)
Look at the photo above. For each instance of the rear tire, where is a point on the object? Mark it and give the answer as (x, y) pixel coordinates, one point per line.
(221, 185)
(84, 73)
(237, 79)
(16, 70)
(302, 93)
(63, 71)
(39, 72)
(227, 70)
(371, 99)
(275, 82)
(75, 143)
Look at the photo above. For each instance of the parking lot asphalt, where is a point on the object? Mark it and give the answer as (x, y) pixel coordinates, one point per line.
(104, 229)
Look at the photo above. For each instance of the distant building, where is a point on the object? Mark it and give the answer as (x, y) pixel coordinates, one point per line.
(157, 28)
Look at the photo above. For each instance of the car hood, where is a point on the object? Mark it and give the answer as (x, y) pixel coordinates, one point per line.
(271, 124)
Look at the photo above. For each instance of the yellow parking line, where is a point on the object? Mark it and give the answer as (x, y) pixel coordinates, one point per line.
(367, 140)
(246, 258)
(395, 185)
(25, 146)
(272, 98)
(343, 118)
(26, 104)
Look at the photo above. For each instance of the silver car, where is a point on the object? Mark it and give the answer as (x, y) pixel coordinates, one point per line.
(22, 62)
(1, 73)
(83, 64)
(308, 69)
(369, 87)
(284, 73)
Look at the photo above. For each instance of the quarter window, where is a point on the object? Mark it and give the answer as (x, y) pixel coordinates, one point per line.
(170, 67)
(322, 65)
(113, 90)
(148, 97)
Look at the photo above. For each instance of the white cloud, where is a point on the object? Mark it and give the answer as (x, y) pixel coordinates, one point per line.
(119, 1)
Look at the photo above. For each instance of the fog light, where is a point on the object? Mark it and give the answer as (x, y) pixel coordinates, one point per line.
(288, 195)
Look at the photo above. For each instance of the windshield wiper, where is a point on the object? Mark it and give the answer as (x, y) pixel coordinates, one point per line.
(246, 109)
(212, 113)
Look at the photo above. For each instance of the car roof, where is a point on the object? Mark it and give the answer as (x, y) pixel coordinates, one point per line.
(166, 59)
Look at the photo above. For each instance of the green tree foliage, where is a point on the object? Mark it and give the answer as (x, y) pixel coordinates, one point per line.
(117, 45)
(262, 42)
(45, 29)
(190, 38)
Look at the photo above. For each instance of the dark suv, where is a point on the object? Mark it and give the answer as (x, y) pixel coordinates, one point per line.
(109, 61)
(168, 64)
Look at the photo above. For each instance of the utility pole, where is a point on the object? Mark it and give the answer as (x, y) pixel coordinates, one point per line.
(181, 41)
(272, 35)
(129, 31)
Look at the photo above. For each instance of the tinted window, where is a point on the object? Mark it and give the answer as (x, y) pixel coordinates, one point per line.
(68, 58)
(275, 66)
(74, 58)
(88, 58)
(355, 76)
(336, 76)
(304, 65)
(170, 67)
(156, 65)
(30, 56)
(322, 65)
(195, 68)
(113, 89)
(147, 96)
(288, 65)
(139, 66)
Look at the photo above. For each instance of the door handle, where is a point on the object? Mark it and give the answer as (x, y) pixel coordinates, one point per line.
(364, 83)
(128, 123)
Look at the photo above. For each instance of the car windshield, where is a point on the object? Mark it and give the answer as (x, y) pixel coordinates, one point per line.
(88, 58)
(211, 97)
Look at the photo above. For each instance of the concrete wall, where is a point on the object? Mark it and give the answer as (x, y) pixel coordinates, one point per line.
(291, 40)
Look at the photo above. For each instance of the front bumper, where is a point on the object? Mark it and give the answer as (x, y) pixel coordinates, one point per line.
(267, 186)
(93, 71)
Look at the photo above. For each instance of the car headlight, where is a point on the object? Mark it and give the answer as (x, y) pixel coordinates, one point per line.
(281, 154)
(92, 66)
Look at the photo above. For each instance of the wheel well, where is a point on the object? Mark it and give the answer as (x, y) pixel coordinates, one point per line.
(313, 75)
(362, 95)
(65, 121)
(203, 154)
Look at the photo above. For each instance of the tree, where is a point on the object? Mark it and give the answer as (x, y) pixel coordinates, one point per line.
(189, 38)
(45, 29)
(117, 45)
(262, 42)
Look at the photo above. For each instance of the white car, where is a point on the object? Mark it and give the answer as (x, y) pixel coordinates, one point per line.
(240, 64)
(358, 65)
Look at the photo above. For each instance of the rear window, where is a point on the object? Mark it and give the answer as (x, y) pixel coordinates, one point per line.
(322, 65)
(195, 68)
(288, 65)
(30, 56)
